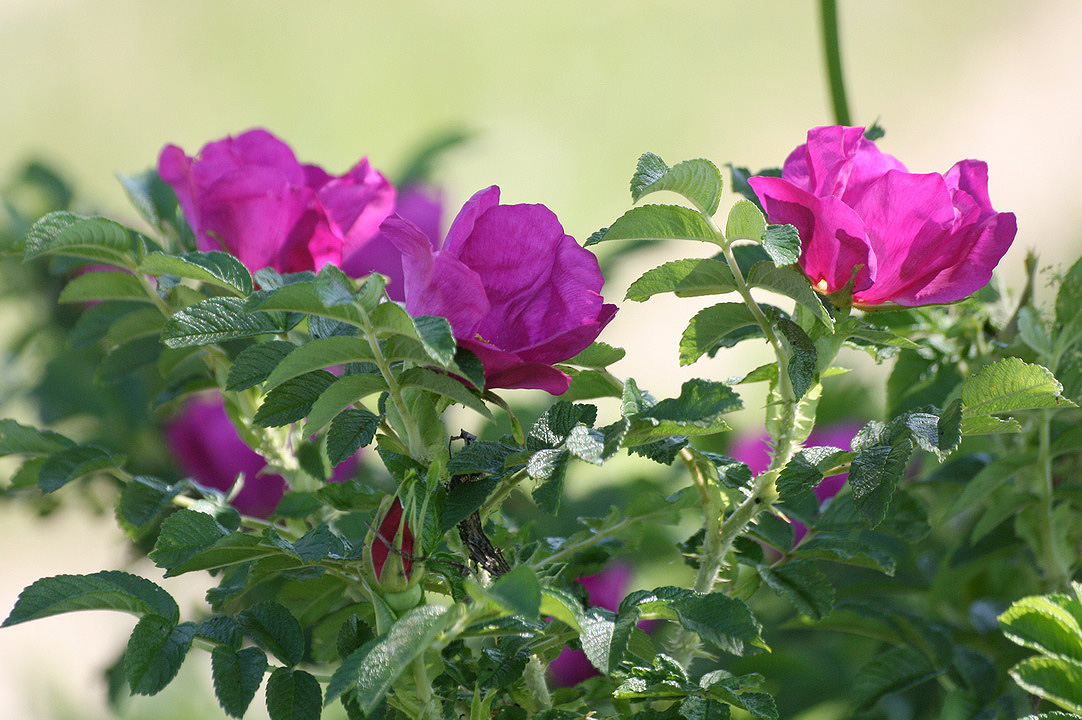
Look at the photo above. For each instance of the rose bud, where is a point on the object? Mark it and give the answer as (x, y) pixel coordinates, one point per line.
(389, 557)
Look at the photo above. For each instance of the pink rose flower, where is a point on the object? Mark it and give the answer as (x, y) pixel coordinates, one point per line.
(207, 448)
(518, 292)
(249, 196)
(919, 238)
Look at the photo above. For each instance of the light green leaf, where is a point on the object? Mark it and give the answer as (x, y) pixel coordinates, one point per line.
(16, 439)
(106, 590)
(1050, 624)
(697, 411)
(215, 268)
(1011, 384)
(877, 336)
(303, 297)
(104, 285)
(216, 319)
(519, 592)
(698, 180)
(340, 395)
(1053, 679)
(658, 222)
(709, 326)
(989, 424)
(782, 244)
(690, 277)
(156, 649)
(745, 222)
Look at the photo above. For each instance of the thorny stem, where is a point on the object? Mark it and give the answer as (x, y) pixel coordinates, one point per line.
(535, 681)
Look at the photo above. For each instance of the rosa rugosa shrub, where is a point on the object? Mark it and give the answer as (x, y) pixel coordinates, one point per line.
(518, 292)
(249, 196)
(918, 238)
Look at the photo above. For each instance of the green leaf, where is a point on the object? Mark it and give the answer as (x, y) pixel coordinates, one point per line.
(230, 550)
(1069, 296)
(877, 336)
(104, 285)
(1053, 679)
(549, 466)
(334, 287)
(342, 393)
(691, 277)
(595, 633)
(183, 535)
(237, 675)
(519, 592)
(697, 411)
(350, 430)
(874, 475)
(658, 222)
(152, 197)
(293, 695)
(709, 326)
(216, 319)
(443, 385)
(803, 584)
(275, 628)
(803, 368)
(782, 244)
(720, 620)
(94, 238)
(598, 355)
(597, 446)
(293, 399)
(319, 354)
(893, 671)
(989, 424)
(130, 356)
(214, 268)
(1009, 385)
(857, 549)
(435, 334)
(745, 222)
(698, 180)
(71, 463)
(255, 363)
(142, 501)
(374, 667)
(16, 439)
(556, 423)
(808, 468)
(106, 590)
(792, 283)
(156, 649)
(1050, 624)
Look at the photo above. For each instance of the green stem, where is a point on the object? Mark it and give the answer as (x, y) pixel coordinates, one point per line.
(413, 434)
(1055, 569)
(828, 10)
(535, 681)
(506, 486)
(710, 560)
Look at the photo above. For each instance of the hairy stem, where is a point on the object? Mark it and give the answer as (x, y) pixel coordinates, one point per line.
(413, 434)
(535, 681)
(828, 12)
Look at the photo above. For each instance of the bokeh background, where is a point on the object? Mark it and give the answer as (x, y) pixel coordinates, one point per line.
(559, 99)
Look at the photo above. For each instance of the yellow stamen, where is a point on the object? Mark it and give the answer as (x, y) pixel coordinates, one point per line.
(481, 339)
(821, 286)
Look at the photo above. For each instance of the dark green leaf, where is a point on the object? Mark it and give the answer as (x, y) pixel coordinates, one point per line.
(874, 474)
(106, 590)
(549, 466)
(803, 584)
(808, 468)
(720, 620)
(293, 399)
(350, 430)
(255, 363)
(892, 671)
(792, 283)
(319, 354)
(448, 387)
(804, 361)
(698, 180)
(435, 334)
(697, 411)
(293, 695)
(237, 675)
(66, 465)
(519, 592)
(216, 319)
(94, 238)
(485, 456)
(152, 197)
(185, 534)
(345, 391)
(155, 652)
(709, 326)
(215, 268)
(556, 423)
(739, 178)
(658, 222)
(143, 500)
(275, 628)
(16, 439)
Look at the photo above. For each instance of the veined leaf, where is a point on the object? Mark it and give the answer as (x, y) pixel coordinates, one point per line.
(698, 180)
(1011, 384)
(255, 363)
(690, 277)
(342, 393)
(237, 675)
(745, 222)
(293, 399)
(319, 354)
(791, 283)
(443, 385)
(215, 268)
(104, 285)
(16, 439)
(658, 222)
(93, 238)
(106, 590)
(216, 319)
(709, 326)
(155, 651)
(1053, 679)
(293, 695)
(782, 244)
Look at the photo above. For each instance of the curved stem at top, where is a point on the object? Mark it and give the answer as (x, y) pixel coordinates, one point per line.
(828, 10)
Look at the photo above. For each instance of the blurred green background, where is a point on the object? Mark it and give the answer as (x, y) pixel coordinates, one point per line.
(560, 97)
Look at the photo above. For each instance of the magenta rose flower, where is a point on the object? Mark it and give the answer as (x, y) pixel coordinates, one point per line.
(518, 292)
(207, 448)
(920, 238)
(249, 196)
(754, 451)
